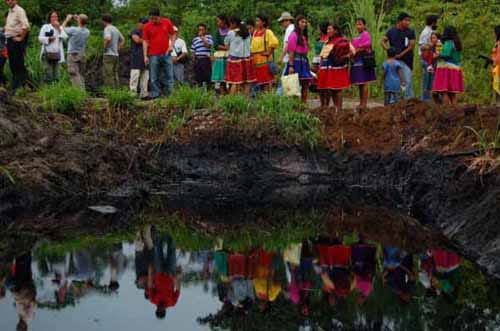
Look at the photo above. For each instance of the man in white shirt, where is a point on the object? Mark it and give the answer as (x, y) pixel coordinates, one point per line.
(286, 21)
(179, 56)
(17, 27)
(430, 27)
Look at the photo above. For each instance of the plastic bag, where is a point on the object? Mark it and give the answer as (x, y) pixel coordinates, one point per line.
(291, 85)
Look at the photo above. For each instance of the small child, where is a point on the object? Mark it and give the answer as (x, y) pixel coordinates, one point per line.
(427, 60)
(3, 56)
(392, 78)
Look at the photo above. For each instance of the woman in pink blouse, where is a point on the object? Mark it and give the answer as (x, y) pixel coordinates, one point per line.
(361, 73)
(298, 48)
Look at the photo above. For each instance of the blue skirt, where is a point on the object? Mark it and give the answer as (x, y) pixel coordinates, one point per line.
(301, 67)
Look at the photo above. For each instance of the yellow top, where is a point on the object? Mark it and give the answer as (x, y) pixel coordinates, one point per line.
(258, 42)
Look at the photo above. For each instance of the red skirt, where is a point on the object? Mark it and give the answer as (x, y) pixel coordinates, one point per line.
(334, 256)
(240, 71)
(332, 78)
(263, 74)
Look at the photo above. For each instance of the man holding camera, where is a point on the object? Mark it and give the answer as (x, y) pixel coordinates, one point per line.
(17, 27)
(77, 44)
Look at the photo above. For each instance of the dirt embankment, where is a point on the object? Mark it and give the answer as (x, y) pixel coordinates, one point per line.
(408, 156)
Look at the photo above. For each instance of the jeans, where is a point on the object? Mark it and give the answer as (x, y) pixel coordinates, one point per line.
(110, 71)
(407, 74)
(427, 79)
(161, 72)
(179, 72)
(279, 90)
(165, 264)
(16, 62)
(51, 70)
(76, 68)
(140, 78)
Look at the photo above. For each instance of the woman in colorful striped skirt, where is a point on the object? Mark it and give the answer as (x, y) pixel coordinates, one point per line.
(448, 78)
(263, 44)
(298, 48)
(361, 74)
(240, 71)
(333, 76)
(220, 55)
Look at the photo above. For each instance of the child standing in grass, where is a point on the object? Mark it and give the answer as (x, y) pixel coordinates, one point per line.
(392, 78)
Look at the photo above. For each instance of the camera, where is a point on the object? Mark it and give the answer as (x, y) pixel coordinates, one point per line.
(49, 33)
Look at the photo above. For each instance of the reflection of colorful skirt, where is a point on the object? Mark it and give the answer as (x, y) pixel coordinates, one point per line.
(219, 69)
(333, 78)
(448, 78)
(336, 256)
(360, 75)
(301, 67)
(240, 71)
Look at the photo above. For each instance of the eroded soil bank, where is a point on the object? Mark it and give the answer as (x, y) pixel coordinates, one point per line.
(412, 157)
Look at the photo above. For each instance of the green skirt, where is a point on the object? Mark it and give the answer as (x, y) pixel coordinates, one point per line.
(219, 70)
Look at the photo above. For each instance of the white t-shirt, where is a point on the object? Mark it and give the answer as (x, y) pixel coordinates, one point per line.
(425, 38)
(288, 32)
(179, 47)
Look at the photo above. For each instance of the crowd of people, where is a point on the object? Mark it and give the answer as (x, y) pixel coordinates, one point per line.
(323, 268)
(240, 56)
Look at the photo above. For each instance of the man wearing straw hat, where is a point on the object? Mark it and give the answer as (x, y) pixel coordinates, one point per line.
(286, 21)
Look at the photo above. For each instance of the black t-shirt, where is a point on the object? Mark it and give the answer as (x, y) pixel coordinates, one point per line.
(400, 40)
(136, 52)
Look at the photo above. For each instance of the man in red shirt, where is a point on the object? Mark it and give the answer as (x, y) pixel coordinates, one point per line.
(157, 48)
(164, 285)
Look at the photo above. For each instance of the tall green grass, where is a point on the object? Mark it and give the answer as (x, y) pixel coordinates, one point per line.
(187, 98)
(120, 98)
(62, 98)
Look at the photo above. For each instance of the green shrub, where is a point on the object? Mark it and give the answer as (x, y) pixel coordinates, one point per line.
(62, 98)
(190, 98)
(120, 98)
(234, 105)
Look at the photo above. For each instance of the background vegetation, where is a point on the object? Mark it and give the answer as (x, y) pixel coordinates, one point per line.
(474, 19)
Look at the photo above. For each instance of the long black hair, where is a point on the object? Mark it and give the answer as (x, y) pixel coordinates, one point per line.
(450, 33)
(338, 30)
(224, 19)
(242, 27)
(323, 27)
(264, 19)
(301, 34)
(497, 32)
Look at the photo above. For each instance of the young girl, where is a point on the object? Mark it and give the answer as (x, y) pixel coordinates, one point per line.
(263, 44)
(392, 77)
(240, 70)
(298, 48)
(333, 76)
(220, 55)
(448, 79)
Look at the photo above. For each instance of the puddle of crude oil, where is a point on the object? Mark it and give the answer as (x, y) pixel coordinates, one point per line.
(324, 283)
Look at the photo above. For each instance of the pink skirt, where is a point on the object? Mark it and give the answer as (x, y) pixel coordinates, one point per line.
(448, 78)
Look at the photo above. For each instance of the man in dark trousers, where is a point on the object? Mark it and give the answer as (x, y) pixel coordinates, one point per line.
(402, 38)
(16, 31)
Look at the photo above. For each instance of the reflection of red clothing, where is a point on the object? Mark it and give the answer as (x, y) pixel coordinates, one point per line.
(336, 256)
(163, 290)
(4, 53)
(445, 260)
(237, 265)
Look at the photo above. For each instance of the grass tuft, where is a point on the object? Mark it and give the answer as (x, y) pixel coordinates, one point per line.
(120, 98)
(187, 98)
(62, 98)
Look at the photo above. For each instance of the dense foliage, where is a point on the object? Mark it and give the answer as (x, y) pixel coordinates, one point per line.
(474, 19)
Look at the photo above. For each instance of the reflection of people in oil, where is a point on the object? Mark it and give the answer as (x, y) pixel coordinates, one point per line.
(440, 272)
(23, 290)
(364, 267)
(163, 281)
(335, 260)
(399, 272)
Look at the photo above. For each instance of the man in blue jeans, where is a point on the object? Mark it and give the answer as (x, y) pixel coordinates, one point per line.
(403, 39)
(157, 48)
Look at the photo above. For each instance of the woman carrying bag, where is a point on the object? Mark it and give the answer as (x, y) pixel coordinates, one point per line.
(298, 49)
(52, 53)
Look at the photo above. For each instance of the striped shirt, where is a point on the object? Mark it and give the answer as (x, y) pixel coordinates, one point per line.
(198, 47)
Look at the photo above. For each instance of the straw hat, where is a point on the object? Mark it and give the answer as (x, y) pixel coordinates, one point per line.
(286, 16)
